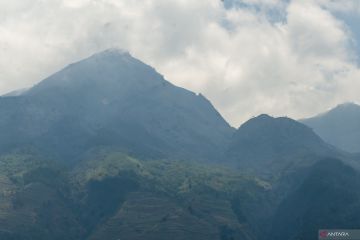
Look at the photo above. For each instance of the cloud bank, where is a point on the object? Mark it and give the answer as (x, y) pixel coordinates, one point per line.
(293, 58)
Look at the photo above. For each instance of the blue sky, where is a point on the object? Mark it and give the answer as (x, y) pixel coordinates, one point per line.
(277, 13)
(285, 58)
(352, 20)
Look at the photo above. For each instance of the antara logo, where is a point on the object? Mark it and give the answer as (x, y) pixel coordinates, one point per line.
(325, 234)
(338, 234)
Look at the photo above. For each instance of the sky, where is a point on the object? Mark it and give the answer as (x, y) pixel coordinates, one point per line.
(292, 58)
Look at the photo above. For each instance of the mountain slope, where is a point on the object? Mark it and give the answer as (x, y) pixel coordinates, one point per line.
(171, 199)
(328, 198)
(112, 99)
(339, 126)
(269, 144)
(112, 196)
(34, 200)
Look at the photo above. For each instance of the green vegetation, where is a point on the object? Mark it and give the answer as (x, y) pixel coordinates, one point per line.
(95, 198)
(175, 177)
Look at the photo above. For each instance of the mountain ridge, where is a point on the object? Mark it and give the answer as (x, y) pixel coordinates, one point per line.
(339, 126)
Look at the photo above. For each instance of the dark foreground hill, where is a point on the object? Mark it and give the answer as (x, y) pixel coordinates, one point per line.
(328, 198)
(114, 196)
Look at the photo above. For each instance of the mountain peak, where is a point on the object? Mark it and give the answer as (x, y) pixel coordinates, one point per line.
(107, 70)
(111, 56)
(112, 52)
(347, 106)
(263, 140)
(265, 120)
(339, 126)
(264, 117)
(267, 125)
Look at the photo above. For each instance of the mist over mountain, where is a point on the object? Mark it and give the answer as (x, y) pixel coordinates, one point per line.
(15, 93)
(339, 126)
(112, 99)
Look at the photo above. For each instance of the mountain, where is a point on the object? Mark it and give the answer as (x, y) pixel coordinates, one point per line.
(339, 126)
(112, 99)
(104, 118)
(268, 144)
(328, 198)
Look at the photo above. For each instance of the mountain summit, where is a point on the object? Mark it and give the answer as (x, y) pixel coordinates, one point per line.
(106, 70)
(339, 126)
(266, 142)
(112, 99)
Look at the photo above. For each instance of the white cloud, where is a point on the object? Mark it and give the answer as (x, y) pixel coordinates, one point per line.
(243, 62)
